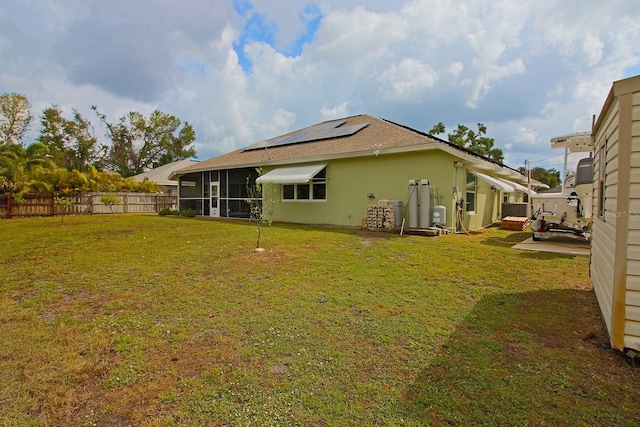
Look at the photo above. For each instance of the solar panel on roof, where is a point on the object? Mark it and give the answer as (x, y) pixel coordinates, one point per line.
(312, 133)
(328, 125)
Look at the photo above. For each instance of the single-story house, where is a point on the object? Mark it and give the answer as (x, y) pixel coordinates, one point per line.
(615, 241)
(160, 175)
(330, 172)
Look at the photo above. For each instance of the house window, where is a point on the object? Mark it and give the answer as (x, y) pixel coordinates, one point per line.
(316, 189)
(602, 169)
(288, 192)
(303, 192)
(470, 202)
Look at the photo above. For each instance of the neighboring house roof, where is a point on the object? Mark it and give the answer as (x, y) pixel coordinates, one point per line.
(160, 175)
(363, 135)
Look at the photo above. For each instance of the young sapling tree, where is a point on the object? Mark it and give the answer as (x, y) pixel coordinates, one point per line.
(110, 200)
(63, 204)
(256, 207)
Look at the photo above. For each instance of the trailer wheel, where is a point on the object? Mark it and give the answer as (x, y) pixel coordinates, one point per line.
(534, 238)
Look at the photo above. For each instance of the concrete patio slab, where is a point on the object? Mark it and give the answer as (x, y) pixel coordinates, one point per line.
(560, 245)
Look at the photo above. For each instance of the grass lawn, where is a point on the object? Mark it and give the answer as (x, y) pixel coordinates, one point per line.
(159, 321)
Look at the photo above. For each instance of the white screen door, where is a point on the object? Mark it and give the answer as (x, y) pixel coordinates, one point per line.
(214, 210)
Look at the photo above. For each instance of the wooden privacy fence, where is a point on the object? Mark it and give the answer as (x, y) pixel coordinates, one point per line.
(84, 204)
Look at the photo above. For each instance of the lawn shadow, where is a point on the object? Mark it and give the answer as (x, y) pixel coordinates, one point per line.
(516, 238)
(530, 358)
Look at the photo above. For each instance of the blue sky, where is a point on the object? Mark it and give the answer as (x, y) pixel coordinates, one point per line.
(259, 28)
(244, 70)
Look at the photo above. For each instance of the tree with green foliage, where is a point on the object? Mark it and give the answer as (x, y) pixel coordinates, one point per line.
(139, 143)
(63, 204)
(15, 117)
(65, 157)
(551, 177)
(110, 200)
(474, 141)
(19, 165)
(72, 143)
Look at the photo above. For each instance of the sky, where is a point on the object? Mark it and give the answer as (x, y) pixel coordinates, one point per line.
(240, 71)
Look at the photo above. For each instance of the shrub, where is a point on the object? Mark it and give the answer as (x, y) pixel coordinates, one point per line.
(168, 211)
(189, 213)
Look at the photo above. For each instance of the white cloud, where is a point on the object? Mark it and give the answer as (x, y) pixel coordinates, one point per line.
(455, 68)
(358, 38)
(336, 112)
(593, 49)
(489, 75)
(530, 70)
(408, 79)
(280, 123)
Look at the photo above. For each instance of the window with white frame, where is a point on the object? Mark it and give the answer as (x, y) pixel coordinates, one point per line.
(470, 202)
(314, 190)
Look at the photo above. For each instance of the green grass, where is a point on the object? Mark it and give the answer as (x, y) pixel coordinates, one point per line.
(160, 321)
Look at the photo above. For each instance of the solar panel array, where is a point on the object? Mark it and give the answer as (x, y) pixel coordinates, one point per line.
(312, 133)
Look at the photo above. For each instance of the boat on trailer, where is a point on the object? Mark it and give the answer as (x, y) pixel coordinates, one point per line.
(567, 212)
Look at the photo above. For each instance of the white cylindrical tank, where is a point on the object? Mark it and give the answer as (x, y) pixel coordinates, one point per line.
(439, 216)
(397, 212)
(413, 204)
(425, 204)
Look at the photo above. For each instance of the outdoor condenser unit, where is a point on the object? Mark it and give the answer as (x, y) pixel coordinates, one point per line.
(439, 216)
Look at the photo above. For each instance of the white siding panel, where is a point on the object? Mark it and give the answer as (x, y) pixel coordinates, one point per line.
(604, 301)
(635, 128)
(634, 237)
(632, 342)
(633, 252)
(635, 175)
(634, 206)
(632, 328)
(602, 261)
(634, 221)
(635, 111)
(635, 158)
(612, 164)
(610, 193)
(633, 313)
(634, 188)
(633, 282)
(633, 268)
(633, 298)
